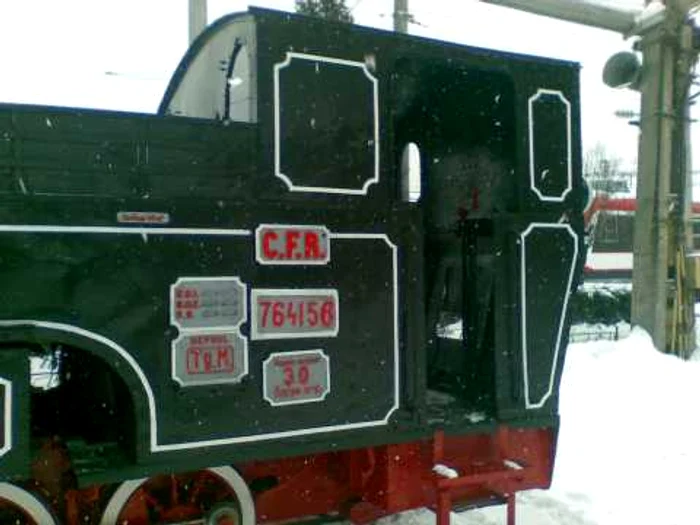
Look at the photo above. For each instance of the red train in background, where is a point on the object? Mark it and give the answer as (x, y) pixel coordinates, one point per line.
(610, 229)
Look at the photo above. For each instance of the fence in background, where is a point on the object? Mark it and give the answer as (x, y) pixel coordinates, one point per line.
(585, 333)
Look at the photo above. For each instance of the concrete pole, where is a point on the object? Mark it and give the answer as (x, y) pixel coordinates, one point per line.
(651, 228)
(662, 291)
(401, 16)
(682, 337)
(197, 18)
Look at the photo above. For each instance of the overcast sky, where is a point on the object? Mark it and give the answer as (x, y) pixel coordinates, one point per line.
(120, 54)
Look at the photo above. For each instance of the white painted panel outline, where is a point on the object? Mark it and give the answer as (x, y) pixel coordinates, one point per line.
(7, 417)
(530, 403)
(135, 368)
(278, 131)
(534, 177)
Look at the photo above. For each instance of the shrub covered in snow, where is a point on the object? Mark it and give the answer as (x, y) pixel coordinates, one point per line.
(603, 304)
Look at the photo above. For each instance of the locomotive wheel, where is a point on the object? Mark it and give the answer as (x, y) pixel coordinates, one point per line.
(183, 497)
(224, 514)
(20, 506)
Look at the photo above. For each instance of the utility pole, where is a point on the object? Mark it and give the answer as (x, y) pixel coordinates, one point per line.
(197, 18)
(401, 16)
(652, 216)
(662, 291)
(681, 336)
(662, 295)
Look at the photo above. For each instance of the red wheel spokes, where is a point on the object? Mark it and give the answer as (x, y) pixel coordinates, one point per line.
(173, 498)
(198, 485)
(152, 502)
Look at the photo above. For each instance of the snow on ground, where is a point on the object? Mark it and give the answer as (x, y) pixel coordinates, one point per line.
(629, 444)
(605, 286)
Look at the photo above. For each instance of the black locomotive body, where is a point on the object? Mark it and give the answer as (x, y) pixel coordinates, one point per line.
(332, 247)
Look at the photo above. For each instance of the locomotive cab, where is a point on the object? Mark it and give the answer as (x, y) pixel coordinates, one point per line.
(462, 121)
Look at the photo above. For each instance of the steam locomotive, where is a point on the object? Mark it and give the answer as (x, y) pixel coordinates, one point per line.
(329, 278)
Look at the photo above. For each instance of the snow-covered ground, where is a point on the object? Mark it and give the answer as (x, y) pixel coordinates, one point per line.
(629, 445)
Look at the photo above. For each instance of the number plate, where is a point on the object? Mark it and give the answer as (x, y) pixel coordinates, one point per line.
(282, 314)
(292, 378)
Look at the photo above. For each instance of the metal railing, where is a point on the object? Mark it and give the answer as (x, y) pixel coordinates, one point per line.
(580, 334)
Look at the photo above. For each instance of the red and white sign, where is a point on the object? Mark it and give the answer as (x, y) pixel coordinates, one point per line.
(294, 313)
(209, 358)
(209, 354)
(286, 244)
(292, 378)
(143, 217)
(207, 302)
